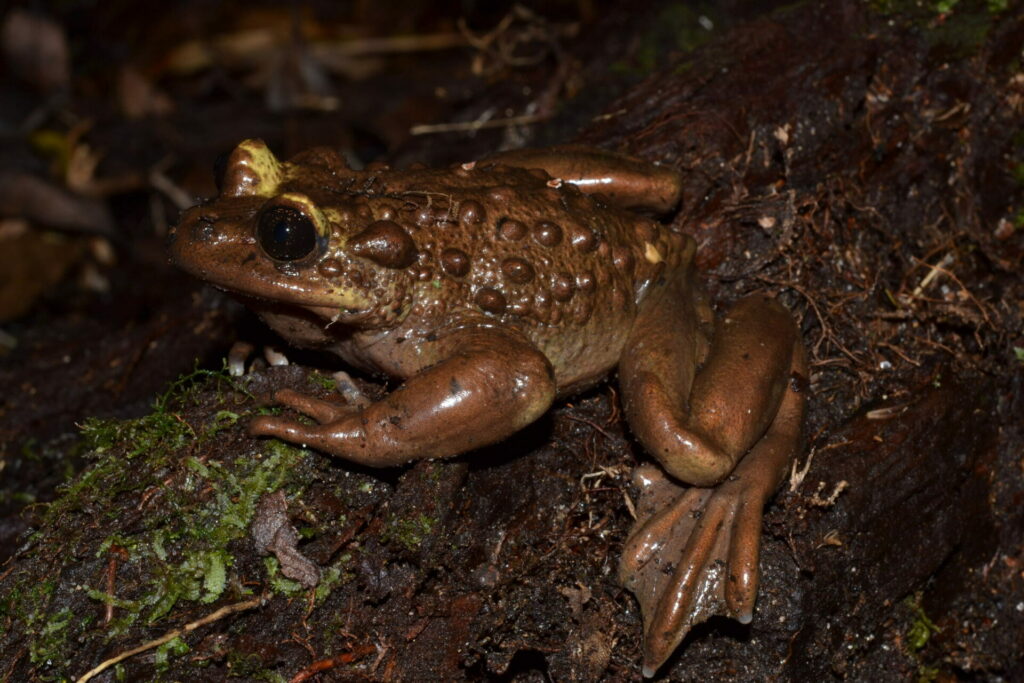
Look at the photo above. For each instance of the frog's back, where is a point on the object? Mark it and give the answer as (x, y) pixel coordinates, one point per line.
(528, 252)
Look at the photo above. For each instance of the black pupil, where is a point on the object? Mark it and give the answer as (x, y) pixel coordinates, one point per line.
(285, 233)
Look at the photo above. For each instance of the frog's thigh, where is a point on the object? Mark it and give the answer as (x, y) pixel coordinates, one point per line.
(491, 385)
(698, 430)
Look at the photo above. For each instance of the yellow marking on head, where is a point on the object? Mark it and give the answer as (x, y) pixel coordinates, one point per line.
(332, 214)
(252, 170)
(652, 254)
(336, 220)
(309, 208)
(345, 298)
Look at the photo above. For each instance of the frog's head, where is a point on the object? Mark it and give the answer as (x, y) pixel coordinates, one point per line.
(296, 235)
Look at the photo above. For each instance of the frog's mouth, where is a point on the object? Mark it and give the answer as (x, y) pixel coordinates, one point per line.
(298, 325)
(260, 294)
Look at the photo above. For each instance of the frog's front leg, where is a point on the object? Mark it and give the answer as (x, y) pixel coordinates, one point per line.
(694, 551)
(490, 384)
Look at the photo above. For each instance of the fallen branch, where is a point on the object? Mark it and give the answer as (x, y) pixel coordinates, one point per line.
(171, 635)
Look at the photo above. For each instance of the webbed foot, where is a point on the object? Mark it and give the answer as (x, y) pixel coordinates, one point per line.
(692, 554)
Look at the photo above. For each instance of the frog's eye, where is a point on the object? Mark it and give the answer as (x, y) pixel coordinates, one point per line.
(285, 233)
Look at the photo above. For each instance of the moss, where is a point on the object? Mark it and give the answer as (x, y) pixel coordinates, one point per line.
(410, 533)
(248, 665)
(158, 436)
(278, 582)
(321, 380)
(921, 628)
(332, 577)
(679, 27)
(962, 34)
(189, 559)
(180, 550)
(162, 655)
(917, 635)
(30, 601)
(927, 674)
(51, 637)
(181, 517)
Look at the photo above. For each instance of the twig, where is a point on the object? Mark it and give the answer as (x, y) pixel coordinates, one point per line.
(796, 476)
(177, 195)
(108, 613)
(899, 352)
(171, 635)
(818, 501)
(326, 664)
(592, 424)
(428, 128)
(388, 45)
(933, 272)
(940, 268)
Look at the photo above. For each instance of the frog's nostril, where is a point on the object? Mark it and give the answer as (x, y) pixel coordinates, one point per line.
(285, 233)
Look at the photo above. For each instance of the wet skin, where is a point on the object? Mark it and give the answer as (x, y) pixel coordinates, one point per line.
(494, 288)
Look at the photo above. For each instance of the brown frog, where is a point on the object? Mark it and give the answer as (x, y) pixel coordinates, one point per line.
(493, 288)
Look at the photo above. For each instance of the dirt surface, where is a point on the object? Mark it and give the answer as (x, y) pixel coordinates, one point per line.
(864, 162)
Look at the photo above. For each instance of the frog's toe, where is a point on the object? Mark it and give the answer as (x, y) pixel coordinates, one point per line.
(692, 554)
(321, 437)
(237, 356)
(744, 552)
(349, 390)
(280, 427)
(320, 410)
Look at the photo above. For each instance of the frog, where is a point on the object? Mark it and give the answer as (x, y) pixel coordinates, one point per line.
(492, 289)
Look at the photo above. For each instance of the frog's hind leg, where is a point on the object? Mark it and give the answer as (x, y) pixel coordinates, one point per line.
(698, 427)
(693, 552)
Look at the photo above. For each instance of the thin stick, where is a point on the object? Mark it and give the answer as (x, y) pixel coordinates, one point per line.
(428, 128)
(171, 635)
(933, 272)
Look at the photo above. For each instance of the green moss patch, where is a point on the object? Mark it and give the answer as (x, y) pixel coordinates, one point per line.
(155, 530)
